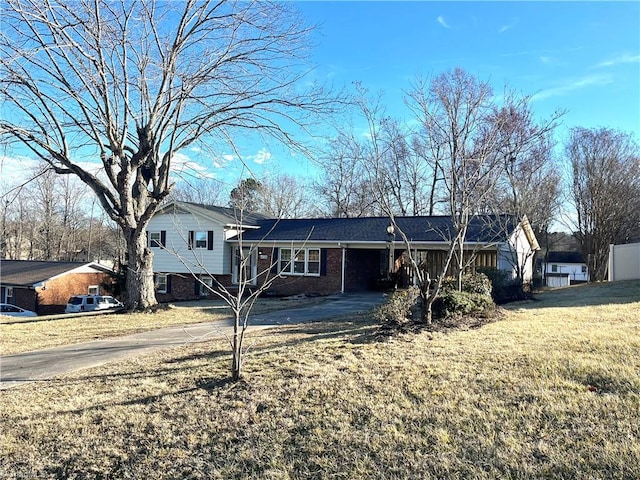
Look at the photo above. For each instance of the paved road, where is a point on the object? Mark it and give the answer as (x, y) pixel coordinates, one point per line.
(26, 367)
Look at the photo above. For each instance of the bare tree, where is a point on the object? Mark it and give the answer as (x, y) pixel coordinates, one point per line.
(250, 284)
(605, 192)
(344, 185)
(530, 179)
(528, 187)
(461, 141)
(130, 84)
(284, 196)
(202, 190)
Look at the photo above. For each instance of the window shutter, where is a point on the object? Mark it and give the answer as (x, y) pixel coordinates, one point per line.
(168, 283)
(210, 240)
(197, 287)
(190, 240)
(163, 238)
(323, 261)
(275, 260)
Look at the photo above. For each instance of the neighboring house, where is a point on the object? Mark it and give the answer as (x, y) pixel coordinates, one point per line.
(45, 287)
(316, 256)
(565, 268)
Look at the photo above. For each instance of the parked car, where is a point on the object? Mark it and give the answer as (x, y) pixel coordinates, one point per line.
(90, 303)
(13, 311)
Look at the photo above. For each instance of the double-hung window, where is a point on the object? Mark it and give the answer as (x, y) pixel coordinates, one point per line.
(205, 285)
(201, 239)
(300, 261)
(161, 283)
(157, 239)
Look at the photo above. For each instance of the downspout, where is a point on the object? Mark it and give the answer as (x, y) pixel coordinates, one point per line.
(344, 250)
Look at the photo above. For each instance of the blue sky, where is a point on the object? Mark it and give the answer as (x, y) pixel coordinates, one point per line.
(580, 56)
(583, 57)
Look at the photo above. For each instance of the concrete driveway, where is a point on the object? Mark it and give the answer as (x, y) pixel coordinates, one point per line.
(46, 364)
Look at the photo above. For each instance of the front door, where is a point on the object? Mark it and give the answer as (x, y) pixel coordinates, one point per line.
(244, 266)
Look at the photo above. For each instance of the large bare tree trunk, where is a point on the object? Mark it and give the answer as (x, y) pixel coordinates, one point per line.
(140, 286)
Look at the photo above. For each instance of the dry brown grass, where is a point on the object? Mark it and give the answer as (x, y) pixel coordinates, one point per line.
(549, 391)
(46, 332)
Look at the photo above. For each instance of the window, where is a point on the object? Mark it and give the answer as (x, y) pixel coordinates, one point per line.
(94, 290)
(285, 258)
(584, 269)
(157, 239)
(201, 239)
(313, 261)
(304, 261)
(205, 284)
(161, 283)
(554, 268)
(9, 295)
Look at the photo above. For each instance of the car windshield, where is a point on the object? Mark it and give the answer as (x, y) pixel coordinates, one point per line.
(75, 300)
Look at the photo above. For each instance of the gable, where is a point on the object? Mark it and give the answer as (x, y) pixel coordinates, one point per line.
(213, 213)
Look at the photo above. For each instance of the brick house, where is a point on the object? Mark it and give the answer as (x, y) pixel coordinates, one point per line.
(45, 287)
(316, 256)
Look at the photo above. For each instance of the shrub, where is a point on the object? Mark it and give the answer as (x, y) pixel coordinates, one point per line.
(475, 297)
(471, 283)
(398, 307)
(452, 303)
(505, 288)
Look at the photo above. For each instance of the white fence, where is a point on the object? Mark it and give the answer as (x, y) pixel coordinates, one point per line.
(624, 262)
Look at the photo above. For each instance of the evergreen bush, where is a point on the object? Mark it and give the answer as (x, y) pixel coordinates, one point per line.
(398, 307)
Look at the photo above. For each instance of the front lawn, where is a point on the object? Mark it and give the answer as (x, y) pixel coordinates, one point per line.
(551, 390)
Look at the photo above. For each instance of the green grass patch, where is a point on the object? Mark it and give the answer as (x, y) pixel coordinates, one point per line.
(551, 390)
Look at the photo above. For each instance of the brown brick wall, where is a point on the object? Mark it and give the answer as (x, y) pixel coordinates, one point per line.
(362, 270)
(311, 285)
(183, 287)
(53, 297)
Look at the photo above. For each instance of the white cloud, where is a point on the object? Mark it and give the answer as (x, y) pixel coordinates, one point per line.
(261, 157)
(15, 170)
(509, 26)
(442, 21)
(619, 60)
(182, 164)
(573, 85)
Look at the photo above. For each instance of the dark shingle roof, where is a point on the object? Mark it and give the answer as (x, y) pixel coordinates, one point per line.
(565, 257)
(231, 213)
(484, 229)
(31, 272)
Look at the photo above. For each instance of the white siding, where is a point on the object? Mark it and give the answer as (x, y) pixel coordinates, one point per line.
(624, 262)
(516, 254)
(573, 270)
(176, 257)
